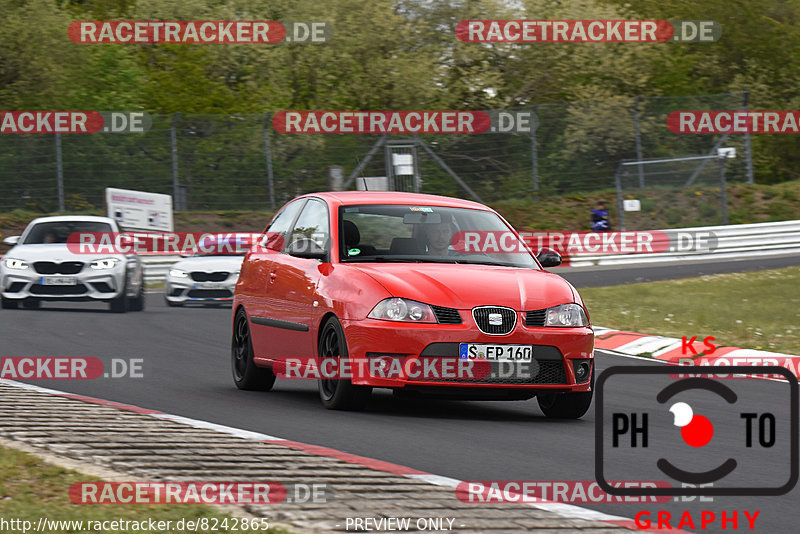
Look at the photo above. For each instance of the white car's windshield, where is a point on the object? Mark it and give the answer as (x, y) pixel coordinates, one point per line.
(59, 231)
(413, 234)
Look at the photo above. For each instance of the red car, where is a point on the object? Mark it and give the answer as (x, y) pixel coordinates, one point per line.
(421, 294)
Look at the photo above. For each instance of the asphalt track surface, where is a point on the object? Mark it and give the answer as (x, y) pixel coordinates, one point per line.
(186, 368)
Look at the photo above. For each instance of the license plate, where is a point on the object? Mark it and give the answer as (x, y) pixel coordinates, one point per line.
(209, 285)
(58, 281)
(496, 353)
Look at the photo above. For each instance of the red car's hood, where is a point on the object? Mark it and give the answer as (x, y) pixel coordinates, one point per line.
(467, 286)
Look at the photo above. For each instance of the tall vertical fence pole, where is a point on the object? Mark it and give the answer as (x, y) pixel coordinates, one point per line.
(618, 187)
(638, 134)
(176, 189)
(535, 151)
(268, 155)
(723, 189)
(59, 173)
(748, 153)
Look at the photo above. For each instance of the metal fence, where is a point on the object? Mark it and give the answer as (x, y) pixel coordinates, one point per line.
(235, 162)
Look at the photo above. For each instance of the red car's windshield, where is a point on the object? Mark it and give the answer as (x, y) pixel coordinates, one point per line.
(413, 234)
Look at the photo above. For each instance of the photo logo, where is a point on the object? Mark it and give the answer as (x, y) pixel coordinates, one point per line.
(696, 430)
(706, 436)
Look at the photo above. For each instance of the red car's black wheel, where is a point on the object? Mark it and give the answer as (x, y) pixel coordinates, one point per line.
(566, 405)
(246, 374)
(338, 393)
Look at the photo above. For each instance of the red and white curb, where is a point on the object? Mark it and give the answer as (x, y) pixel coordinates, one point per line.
(669, 350)
(567, 511)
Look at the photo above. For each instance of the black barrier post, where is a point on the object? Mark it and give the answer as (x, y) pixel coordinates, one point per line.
(723, 187)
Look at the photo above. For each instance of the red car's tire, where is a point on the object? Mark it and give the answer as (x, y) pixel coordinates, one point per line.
(246, 374)
(566, 405)
(338, 393)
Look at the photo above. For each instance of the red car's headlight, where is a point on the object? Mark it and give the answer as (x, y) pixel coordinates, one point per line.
(397, 309)
(566, 315)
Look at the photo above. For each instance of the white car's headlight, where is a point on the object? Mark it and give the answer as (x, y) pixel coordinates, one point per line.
(177, 273)
(397, 309)
(106, 263)
(566, 315)
(12, 263)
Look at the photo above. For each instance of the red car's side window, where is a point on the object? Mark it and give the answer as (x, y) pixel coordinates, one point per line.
(274, 236)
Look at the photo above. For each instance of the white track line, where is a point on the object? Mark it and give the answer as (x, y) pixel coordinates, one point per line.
(567, 511)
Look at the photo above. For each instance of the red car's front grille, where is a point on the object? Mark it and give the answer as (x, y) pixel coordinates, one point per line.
(495, 319)
(446, 315)
(548, 367)
(547, 372)
(535, 317)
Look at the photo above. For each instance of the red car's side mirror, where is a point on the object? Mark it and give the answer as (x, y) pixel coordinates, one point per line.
(548, 257)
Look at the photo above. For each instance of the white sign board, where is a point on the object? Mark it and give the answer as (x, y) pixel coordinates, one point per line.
(402, 159)
(372, 183)
(631, 205)
(403, 164)
(137, 210)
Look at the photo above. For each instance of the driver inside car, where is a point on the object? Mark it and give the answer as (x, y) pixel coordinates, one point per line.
(439, 236)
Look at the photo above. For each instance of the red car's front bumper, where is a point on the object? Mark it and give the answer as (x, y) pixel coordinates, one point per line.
(555, 353)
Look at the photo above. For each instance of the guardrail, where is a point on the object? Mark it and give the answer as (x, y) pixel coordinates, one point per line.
(738, 241)
(732, 241)
(156, 267)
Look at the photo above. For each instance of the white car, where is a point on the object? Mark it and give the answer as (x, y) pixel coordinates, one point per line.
(203, 279)
(41, 266)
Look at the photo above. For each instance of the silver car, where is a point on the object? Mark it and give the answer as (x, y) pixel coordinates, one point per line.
(41, 266)
(203, 279)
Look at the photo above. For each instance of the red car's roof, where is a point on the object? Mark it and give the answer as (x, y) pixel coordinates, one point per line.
(395, 197)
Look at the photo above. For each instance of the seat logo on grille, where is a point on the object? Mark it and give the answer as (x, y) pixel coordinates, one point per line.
(495, 319)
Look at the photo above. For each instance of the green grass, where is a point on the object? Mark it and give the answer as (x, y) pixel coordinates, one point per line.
(31, 488)
(757, 310)
(661, 208)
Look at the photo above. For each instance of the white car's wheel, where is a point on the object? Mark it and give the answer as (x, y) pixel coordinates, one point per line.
(137, 303)
(119, 304)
